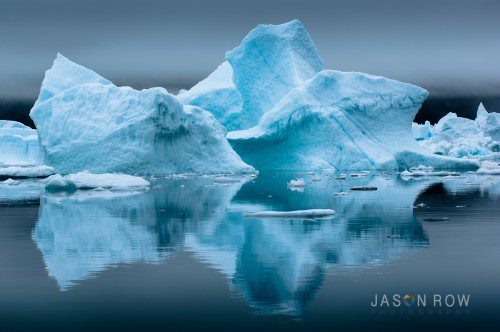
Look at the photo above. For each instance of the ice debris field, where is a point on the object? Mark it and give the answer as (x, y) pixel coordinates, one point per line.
(272, 105)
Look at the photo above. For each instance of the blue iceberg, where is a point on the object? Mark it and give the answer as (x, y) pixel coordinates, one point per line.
(461, 137)
(18, 144)
(339, 121)
(86, 123)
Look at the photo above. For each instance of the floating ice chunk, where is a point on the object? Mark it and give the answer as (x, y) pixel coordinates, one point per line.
(490, 168)
(423, 171)
(218, 95)
(57, 183)
(299, 214)
(271, 61)
(85, 180)
(102, 128)
(460, 137)
(26, 171)
(296, 183)
(364, 188)
(18, 144)
(340, 120)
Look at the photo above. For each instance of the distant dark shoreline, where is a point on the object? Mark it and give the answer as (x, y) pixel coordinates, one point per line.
(433, 108)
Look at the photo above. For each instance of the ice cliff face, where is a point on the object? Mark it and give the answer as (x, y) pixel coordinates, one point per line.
(86, 123)
(18, 144)
(462, 138)
(340, 120)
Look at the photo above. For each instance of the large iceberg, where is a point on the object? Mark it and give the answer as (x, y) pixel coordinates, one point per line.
(341, 120)
(18, 144)
(86, 123)
(271, 61)
(461, 137)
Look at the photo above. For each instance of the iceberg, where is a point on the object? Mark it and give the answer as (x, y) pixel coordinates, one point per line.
(18, 144)
(341, 121)
(271, 61)
(85, 123)
(461, 137)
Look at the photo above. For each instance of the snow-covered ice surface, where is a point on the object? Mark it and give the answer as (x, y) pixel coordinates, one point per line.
(461, 137)
(299, 214)
(86, 123)
(340, 121)
(271, 60)
(18, 144)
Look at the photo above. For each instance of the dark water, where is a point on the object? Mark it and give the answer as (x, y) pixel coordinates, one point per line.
(181, 256)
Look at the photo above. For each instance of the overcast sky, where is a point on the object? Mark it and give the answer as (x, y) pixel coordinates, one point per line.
(448, 47)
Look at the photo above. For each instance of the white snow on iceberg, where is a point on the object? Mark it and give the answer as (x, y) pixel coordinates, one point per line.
(341, 120)
(459, 137)
(87, 123)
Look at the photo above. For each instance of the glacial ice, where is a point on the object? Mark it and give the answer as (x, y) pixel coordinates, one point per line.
(18, 144)
(461, 137)
(86, 123)
(26, 171)
(340, 121)
(271, 61)
(218, 95)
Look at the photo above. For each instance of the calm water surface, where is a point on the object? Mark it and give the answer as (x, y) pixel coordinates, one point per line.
(182, 256)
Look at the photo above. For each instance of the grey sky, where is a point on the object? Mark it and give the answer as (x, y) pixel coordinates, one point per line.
(448, 47)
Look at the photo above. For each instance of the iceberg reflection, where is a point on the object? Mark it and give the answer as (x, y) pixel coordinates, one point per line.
(276, 265)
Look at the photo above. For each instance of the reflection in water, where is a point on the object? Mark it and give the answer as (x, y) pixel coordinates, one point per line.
(276, 265)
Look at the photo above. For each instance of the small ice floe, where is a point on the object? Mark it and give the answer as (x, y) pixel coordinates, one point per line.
(420, 205)
(58, 183)
(299, 183)
(341, 176)
(423, 171)
(462, 206)
(10, 182)
(362, 188)
(489, 168)
(394, 236)
(315, 180)
(298, 214)
(340, 194)
(26, 172)
(356, 175)
(87, 181)
(436, 219)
